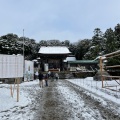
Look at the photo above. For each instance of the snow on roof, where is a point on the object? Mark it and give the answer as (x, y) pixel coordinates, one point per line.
(54, 50)
(70, 59)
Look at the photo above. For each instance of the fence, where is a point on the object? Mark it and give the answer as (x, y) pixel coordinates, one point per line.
(116, 78)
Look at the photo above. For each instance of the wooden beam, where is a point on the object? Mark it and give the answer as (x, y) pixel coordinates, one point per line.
(18, 81)
(111, 76)
(114, 66)
(11, 90)
(101, 67)
(112, 54)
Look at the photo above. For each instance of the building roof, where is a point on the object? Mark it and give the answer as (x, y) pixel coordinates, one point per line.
(54, 50)
(82, 61)
(70, 58)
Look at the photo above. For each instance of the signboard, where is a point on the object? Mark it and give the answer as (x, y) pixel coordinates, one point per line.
(11, 66)
(29, 70)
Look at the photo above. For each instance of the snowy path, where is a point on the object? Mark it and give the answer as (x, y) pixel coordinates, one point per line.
(63, 101)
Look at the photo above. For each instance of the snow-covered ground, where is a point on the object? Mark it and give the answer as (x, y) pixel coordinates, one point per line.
(109, 99)
(11, 109)
(96, 87)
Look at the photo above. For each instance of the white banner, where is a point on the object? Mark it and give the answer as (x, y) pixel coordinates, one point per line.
(11, 66)
(29, 70)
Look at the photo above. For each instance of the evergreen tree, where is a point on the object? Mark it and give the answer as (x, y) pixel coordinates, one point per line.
(96, 46)
(81, 48)
(117, 36)
(67, 43)
(110, 41)
(72, 48)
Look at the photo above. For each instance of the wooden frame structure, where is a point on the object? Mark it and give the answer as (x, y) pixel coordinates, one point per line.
(116, 78)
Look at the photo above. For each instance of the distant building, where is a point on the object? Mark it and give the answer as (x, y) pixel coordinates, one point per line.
(83, 65)
(52, 57)
(59, 58)
(69, 58)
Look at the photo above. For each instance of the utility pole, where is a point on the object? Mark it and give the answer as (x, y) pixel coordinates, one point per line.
(23, 42)
(23, 57)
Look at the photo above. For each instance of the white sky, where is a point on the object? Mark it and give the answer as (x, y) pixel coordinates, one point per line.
(57, 19)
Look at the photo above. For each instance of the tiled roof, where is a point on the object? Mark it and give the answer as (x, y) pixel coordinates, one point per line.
(54, 50)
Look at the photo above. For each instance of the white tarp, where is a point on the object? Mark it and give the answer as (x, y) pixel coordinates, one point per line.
(11, 66)
(46, 67)
(29, 70)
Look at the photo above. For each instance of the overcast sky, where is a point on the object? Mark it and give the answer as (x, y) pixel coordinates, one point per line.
(58, 19)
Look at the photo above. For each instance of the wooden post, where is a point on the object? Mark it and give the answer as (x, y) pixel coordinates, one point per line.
(14, 85)
(18, 80)
(101, 70)
(11, 90)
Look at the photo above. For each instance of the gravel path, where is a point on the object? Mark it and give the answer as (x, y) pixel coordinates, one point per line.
(62, 100)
